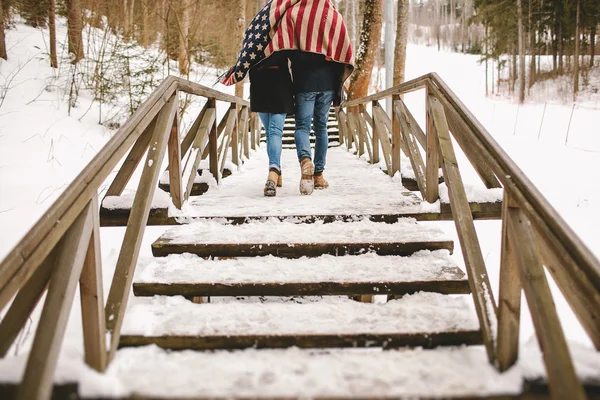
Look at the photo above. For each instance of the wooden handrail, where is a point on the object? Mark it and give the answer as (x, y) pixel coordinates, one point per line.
(62, 249)
(533, 234)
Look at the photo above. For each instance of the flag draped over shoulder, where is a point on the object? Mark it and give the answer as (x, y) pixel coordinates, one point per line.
(308, 25)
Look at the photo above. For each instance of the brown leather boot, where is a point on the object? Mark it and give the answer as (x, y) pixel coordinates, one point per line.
(320, 182)
(271, 184)
(279, 181)
(307, 169)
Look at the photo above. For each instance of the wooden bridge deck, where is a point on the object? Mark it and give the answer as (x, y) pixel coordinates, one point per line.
(356, 188)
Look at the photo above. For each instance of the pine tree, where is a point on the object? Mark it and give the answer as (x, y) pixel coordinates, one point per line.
(74, 30)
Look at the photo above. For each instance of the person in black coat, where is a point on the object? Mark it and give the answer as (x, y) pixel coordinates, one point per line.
(272, 97)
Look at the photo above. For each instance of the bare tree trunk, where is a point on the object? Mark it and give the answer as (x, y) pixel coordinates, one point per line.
(126, 27)
(576, 55)
(592, 45)
(74, 30)
(371, 32)
(560, 47)
(184, 29)
(131, 15)
(240, 12)
(2, 38)
(521, 52)
(401, 41)
(532, 49)
(52, 27)
(145, 36)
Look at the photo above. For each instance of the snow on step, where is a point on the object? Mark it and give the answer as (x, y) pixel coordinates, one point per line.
(355, 188)
(291, 239)
(292, 373)
(425, 319)
(190, 275)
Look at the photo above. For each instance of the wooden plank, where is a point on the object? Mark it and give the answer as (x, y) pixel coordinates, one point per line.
(459, 286)
(162, 248)
(364, 132)
(433, 159)
(417, 131)
(562, 378)
(509, 303)
(409, 142)
(579, 291)
(24, 303)
(121, 284)
(234, 140)
(212, 145)
(397, 146)
(353, 124)
(382, 121)
(131, 162)
(190, 136)
(469, 243)
(464, 137)
(35, 246)
(388, 340)
(204, 91)
(227, 138)
(92, 298)
(406, 87)
(347, 130)
(341, 128)
(200, 143)
(174, 155)
(375, 141)
(359, 132)
(253, 138)
(38, 377)
(245, 129)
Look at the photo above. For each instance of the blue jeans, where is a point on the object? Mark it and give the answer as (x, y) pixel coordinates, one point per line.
(313, 107)
(273, 124)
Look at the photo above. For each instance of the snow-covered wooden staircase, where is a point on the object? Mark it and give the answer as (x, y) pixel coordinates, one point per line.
(289, 128)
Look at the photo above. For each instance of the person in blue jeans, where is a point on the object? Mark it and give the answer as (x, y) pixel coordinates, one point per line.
(272, 97)
(317, 83)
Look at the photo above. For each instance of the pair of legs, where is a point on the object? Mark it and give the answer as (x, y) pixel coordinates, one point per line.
(313, 107)
(273, 124)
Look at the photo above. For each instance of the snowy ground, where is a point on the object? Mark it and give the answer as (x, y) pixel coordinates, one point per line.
(42, 149)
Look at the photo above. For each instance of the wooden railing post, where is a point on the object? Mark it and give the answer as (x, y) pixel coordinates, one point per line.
(363, 116)
(213, 145)
(38, 380)
(174, 153)
(203, 132)
(122, 280)
(245, 130)
(410, 144)
(509, 303)
(562, 379)
(469, 243)
(253, 117)
(92, 298)
(396, 139)
(381, 122)
(432, 165)
(375, 143)
(359, 131)
(235, 137)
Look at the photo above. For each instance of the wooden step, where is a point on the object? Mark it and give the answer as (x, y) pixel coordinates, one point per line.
(423, 319)
(189, 275)
(294, 240)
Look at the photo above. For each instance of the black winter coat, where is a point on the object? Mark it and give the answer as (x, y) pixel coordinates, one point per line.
(271, 88)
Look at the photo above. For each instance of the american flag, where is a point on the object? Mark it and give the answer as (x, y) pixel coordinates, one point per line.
(308, 25)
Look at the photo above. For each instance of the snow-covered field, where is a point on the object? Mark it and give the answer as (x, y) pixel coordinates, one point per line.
(42, 149)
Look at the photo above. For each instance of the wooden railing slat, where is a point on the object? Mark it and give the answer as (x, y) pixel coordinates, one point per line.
(212, 145)
(383, 122)
(509, 302)
(477, 273)
(199, 144)
(92, 298)
(24, 303)
(38, 380)
(123, 277)
(364, 133)
(432, 153)
(410, 143)
(463, 135)
(562, 379)
(227, 138)
(190, 136)
(131, 162)
(174, 156)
